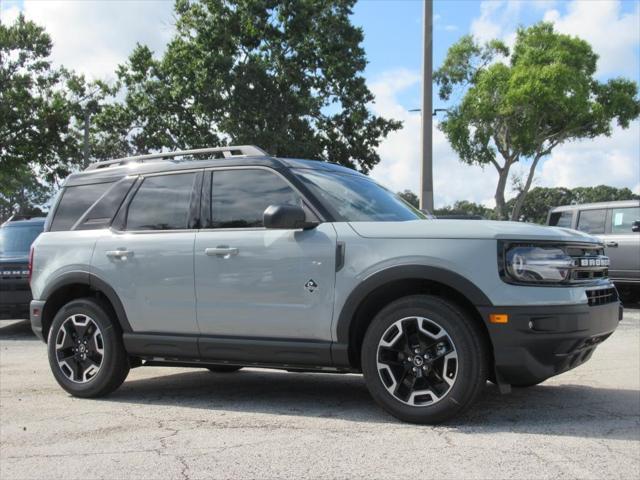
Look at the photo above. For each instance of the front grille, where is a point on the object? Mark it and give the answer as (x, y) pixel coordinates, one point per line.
(602, 296)
(14, 272)
(589, 263)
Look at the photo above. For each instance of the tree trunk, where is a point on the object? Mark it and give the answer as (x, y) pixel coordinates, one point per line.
(501, 204)
(515, 214)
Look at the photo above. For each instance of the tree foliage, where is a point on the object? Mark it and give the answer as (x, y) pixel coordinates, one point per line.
(464, 207)
(282, 74)
(520, 105)
(41, 108)
(410, 197)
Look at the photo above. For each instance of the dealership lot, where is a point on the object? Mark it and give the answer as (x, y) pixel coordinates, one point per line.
(181, 423)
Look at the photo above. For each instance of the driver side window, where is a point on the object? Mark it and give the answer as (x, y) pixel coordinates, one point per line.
(239, 197)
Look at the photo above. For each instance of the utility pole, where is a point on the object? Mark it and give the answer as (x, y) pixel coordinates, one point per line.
(85, 146)
(426, 188)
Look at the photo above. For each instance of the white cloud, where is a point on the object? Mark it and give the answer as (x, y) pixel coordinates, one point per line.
(614, 35)
(400, 155)
(93, 37)
(611, 161)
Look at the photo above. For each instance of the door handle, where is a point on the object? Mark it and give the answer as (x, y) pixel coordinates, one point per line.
(612, 244)
(221, 251)
(120, 254)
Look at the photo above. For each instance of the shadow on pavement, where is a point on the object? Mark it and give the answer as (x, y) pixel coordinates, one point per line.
(562, 410)
(16, 330)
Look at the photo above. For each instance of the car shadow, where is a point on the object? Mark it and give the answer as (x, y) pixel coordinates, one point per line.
(16, 330)
(561, 410)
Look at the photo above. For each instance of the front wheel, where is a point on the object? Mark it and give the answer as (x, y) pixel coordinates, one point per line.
(86, 353)
(424, 359)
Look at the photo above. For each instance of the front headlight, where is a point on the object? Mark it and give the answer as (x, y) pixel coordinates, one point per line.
(540, 263)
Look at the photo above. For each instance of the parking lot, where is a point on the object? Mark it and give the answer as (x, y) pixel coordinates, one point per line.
(180, 423)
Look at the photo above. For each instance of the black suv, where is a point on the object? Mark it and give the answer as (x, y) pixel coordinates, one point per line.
(16, 236)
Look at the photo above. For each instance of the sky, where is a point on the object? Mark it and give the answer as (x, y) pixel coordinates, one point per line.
(94, 36)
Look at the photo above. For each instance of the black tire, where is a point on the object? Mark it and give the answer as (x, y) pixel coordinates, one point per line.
(114, 362)
(471, 365)
(223, 368)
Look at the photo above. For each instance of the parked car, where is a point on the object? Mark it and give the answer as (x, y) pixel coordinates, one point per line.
(251, 260)
(617, 224)
(16, 236)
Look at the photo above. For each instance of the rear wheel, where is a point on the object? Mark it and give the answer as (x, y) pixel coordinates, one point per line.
(223, 368)
(423, 359)
(86, 353)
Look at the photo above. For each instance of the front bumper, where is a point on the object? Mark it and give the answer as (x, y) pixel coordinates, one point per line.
(540, 342)
(14, 302)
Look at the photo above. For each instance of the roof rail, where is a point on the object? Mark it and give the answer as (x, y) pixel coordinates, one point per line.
(227, 152)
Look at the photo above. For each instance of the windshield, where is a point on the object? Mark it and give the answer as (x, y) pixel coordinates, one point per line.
(355, 198)
(16, 240)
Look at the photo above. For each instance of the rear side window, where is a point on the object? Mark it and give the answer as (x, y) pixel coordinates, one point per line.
(162, 202)
(240, 197)
(561, 219)
(622, 219)
(74, 203)
(103, 211)
(592, 221)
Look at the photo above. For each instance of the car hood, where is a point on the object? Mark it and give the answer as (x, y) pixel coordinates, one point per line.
(469, 229)
(6, 258)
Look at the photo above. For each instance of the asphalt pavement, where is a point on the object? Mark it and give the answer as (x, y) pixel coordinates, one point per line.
(189, 424)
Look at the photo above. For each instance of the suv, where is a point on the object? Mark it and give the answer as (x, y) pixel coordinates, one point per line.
(617, 224)
(243, 259)
(16, 236)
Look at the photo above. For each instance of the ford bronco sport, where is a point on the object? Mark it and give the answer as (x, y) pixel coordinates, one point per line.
(227, 257)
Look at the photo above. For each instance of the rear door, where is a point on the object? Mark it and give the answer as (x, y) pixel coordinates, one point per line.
(257, 283)
(622, 244)
(148, 257)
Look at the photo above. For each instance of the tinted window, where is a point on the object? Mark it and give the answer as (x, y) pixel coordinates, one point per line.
(240, 197)
(561, 219)
(355, 198)
(102, 212)
(623, 218)
(18, 239)
(592, 221)
(74, 202)
(162, 203)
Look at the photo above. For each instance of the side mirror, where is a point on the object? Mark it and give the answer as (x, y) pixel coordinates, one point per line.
(288, 217)
(635, 226)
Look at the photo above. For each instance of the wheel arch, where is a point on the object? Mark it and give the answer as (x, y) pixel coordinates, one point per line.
(73, 285)
(393, 283)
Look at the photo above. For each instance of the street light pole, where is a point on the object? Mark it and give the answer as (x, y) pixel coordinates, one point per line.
(426, 188)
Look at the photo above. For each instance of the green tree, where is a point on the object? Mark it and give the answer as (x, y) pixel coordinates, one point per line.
(282, 74)
(410, 197)
(520, 111)
(464, 207)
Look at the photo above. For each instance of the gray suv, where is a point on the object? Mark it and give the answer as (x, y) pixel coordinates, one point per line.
(228, 257)
(617, 225)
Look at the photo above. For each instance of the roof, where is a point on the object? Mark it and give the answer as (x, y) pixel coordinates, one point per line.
(19, 220)
(595, 206)
(166, 162)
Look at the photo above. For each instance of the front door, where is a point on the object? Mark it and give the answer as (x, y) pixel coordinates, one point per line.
(257, 283)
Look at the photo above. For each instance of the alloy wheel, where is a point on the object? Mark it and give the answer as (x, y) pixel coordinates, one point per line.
(79, 348)
(417, 361)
